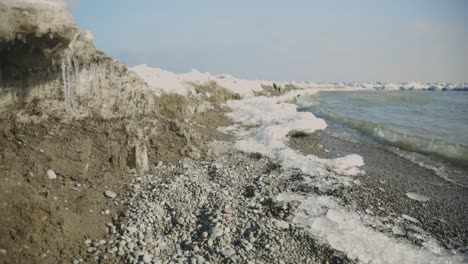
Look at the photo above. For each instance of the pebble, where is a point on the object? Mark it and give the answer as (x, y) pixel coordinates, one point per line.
(180, 220)
(147, 258)
(281, 224)
(110, 194)
(3, 252)
(228, 252)
(216, 232)
(51, 175)
(132, 229)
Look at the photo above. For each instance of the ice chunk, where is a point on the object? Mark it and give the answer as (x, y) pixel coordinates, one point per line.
(417, 197)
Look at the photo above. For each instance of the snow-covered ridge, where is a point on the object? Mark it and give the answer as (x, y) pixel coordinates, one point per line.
(163, 81)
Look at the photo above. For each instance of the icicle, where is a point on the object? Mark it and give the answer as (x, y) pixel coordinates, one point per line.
(67, 76)
(65, 83)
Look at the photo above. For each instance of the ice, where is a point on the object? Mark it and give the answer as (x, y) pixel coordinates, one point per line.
(410, 218)
(164, 81)
(327, 220)
(417, 197)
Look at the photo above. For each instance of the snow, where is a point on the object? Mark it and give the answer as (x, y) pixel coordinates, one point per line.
(344, 230)
(163, 81)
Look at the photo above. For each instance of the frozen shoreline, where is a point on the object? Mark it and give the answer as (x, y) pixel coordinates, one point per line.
(270, 120)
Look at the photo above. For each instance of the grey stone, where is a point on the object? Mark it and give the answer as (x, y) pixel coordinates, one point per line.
(51, 175)
(110, 194)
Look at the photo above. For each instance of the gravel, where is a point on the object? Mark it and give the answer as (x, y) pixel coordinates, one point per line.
(204, 212)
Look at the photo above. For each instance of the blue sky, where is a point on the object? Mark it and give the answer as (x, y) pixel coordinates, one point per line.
(368, 40)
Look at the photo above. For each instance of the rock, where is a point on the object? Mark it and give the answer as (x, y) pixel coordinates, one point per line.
(227, 210)
(216, 232)
(110, 194)
(158, 212)
(132, 229)
(3, 252)
(131, 245)
(180, 220)
(228, 252)
(281, 224)
(51, 175)
(210, 242)
(200, 259)
(417, 197)
(147, 258)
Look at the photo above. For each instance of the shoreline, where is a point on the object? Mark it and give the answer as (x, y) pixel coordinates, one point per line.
(383, 189)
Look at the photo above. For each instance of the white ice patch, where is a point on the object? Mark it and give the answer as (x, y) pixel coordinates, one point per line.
(323, 217)
(267, 122)
(417, 197)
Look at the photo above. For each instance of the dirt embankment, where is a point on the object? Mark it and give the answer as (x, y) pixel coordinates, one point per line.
(47, 220)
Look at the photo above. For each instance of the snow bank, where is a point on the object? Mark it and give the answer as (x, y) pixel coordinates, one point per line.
(163, 81)
(266, 122)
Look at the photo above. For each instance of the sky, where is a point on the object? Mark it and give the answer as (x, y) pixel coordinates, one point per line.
(333, 41)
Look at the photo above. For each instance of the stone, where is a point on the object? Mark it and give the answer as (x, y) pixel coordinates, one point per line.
(216, 232)
(3, 252)
(132, 229)
(51, 175)
(147, 258)
(131, 245)
(228, 252)
(180, 220)
(281, 224)
(110, 194)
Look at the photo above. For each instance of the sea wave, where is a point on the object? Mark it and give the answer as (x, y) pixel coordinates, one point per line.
(445, 149)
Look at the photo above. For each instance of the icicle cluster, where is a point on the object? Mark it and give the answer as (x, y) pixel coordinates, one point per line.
(70, 75)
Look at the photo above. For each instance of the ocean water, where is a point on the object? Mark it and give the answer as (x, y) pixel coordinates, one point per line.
(427, 127)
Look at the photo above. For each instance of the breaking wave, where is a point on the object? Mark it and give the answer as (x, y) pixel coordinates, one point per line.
(381, 132)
